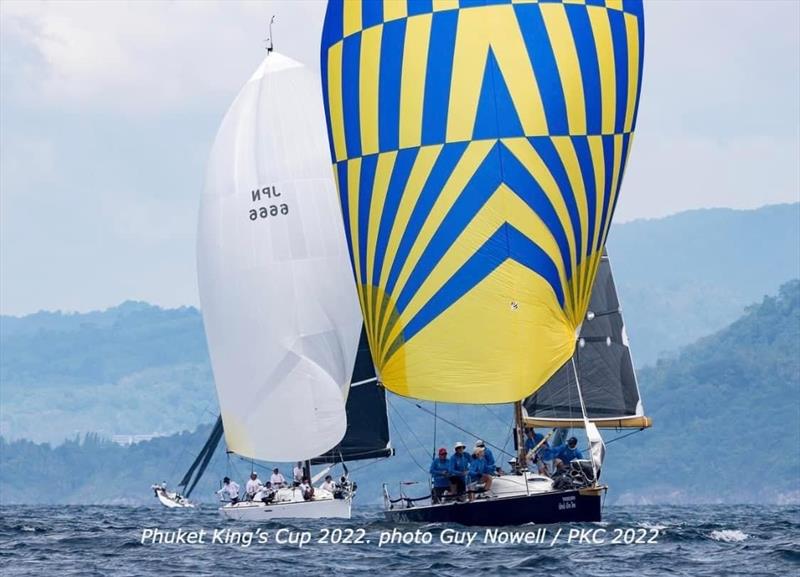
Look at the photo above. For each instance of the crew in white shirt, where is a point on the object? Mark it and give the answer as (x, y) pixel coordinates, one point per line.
(230, 490)
(297, 472)
(253, 486)
(329, 485)
(277, 479)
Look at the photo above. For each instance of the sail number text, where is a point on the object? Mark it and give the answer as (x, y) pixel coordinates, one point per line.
(270, 210)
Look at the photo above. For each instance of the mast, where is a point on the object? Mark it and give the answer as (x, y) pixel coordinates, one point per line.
(519, 431)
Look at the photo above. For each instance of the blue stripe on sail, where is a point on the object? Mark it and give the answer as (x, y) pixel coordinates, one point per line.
(519, 180)
(479, 189)
(341, 173)
(581, 144)
(366, 181)
(506, 242)
(635, 7)
(640, 13)
(371, 14)
(419, 7)
(391, 70)
(437, 76)
(442, 169)
(620, 40)
(397, 183)
(547, 150)
(333, 29)
(543, 60)
(351, 62)
(496, 116)
(529, 254)
(581, 27)
(480, 265)
(608, 161)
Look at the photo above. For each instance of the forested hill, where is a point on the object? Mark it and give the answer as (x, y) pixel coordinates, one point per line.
(726, 430)
(140, 369)
(726, 413)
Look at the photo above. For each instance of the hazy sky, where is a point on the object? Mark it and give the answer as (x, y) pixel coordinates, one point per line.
(108, 111)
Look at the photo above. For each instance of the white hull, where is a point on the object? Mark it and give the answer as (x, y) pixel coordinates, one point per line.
(322, 509)
(170, 501)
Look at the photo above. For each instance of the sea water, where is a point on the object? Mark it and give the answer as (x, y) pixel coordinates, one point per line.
(115, 541)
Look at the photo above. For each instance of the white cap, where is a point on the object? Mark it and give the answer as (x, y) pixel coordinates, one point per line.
(459, 444)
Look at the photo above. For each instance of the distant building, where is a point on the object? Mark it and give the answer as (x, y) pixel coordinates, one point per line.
(126, 440)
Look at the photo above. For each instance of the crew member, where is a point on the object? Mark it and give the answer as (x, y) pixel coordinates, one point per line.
(230, 489)
(277, 479)
(566, 453)
(440, 475)
(459, 466)
(252, 486)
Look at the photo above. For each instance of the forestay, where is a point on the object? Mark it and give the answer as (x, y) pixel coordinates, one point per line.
(279, 307)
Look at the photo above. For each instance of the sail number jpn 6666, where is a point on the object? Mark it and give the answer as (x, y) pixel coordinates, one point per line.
(269, 210)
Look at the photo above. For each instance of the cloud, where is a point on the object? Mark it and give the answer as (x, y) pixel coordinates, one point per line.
(147, 56)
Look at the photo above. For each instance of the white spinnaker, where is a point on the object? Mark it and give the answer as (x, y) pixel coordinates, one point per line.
(279, 305)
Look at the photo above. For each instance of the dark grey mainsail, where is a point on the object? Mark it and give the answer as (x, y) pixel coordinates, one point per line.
(198, 467)
(367, 435)
(604, 367)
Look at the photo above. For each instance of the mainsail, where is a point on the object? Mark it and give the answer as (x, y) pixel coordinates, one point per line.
(281, 317)
(479, 149)
(367, 435)
(604, 367)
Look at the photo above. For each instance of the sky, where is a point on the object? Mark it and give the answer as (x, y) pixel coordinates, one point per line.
(108, 111)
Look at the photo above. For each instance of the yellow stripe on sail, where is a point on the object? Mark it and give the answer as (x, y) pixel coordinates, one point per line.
(601, 30)
(368, 88)
(515, 64)
(423, 164)
(444, 5)
(352, 16)
(383, 173)
(569, 70)
(466, 167)
(394, 9)
(569, 158)
(533, 163)
(632, 33)
(412, 87)
(353, 182)
(335, 102)
(518, 350)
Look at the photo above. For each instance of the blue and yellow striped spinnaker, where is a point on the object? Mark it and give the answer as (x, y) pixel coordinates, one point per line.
(478, 147)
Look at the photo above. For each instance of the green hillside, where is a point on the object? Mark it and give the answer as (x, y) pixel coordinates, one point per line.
(140, 369)
(727, 428)
(685, 276)
(726, 412)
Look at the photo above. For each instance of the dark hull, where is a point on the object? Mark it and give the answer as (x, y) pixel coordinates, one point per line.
(542, 508)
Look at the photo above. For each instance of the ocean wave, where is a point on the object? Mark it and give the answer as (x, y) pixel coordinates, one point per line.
(729, 535)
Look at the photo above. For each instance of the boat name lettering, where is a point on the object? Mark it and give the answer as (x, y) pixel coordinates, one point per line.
(267, 192)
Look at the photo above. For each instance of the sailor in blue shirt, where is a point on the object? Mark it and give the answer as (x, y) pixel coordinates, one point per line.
(532, 440)
(478, 472)
(459, 466)
(487, 454)
(440, 475)
(564, 454)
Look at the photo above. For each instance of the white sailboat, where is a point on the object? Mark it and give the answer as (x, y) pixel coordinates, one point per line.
(281, 317)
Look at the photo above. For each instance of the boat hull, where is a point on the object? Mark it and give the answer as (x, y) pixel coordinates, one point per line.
(573, 506)
(172, 503)
(323, 509)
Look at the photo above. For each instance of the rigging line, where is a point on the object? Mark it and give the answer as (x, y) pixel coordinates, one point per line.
(452, 424)
(625, 435)
(409, 427)
(410, 454)
(495, 415)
